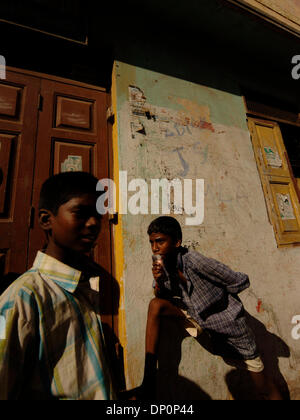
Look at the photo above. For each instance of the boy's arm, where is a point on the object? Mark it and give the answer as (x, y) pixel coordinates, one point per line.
(16, 344)
(235, 282)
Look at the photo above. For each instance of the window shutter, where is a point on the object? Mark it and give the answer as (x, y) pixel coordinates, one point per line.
(277, 180)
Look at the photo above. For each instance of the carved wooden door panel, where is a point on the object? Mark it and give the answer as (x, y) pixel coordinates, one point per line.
(50, 125)
(72, 135)
(18, 123)
(47, 126)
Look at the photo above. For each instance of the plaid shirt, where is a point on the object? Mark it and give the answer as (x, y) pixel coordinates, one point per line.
(210, 298)
(52, 344)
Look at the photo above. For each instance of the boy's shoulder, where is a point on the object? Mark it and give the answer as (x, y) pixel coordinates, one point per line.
(196, 261)
(27, 284)
(194, 257)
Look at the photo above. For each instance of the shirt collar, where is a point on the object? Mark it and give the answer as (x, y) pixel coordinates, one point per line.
(179, 261)
(62, 274)
(181, 251)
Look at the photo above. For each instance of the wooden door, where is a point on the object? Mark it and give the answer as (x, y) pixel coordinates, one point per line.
(50, 125)
(18, 123)
(72, 135)
(47, 125)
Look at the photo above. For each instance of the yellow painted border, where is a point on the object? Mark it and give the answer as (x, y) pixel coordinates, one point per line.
(118, 229)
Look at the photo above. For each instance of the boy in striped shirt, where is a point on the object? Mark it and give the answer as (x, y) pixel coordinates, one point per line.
(52, 346)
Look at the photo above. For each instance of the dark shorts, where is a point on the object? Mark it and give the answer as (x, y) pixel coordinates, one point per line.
(194, 329)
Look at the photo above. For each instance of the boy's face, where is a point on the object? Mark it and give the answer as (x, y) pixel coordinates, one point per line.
(76, 225)
(163, 244)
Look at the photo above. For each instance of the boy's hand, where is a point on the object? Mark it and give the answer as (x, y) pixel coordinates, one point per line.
(157, 271)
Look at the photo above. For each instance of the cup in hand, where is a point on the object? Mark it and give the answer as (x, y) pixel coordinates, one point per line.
(157, 267)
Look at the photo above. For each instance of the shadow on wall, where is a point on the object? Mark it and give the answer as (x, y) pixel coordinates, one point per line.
(271, 347)
(172, 386)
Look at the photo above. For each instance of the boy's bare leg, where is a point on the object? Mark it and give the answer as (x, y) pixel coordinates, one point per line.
(158, 308)
(265, 386)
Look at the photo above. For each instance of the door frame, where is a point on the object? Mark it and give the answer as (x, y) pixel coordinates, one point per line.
(55, 78)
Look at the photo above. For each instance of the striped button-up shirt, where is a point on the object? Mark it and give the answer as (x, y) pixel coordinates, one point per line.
(52, 343)
(210, 297)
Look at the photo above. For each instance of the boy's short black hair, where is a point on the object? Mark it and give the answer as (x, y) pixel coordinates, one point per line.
(168, 226)
(60, 188)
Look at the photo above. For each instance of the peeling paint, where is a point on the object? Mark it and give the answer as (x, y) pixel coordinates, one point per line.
(166, 121)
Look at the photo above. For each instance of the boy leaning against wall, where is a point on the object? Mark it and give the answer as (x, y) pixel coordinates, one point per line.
(53, 344)
(202, 293)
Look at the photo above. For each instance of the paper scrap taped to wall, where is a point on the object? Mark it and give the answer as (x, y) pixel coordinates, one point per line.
(285, 207)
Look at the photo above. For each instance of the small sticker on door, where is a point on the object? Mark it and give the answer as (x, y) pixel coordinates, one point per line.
(273, 157)
(285, 207)
(72, 164)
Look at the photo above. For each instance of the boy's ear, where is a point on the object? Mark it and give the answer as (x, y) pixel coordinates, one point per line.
(45, 219)
(178, 243)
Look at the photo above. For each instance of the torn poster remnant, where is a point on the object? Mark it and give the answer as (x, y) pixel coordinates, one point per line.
(150, 120)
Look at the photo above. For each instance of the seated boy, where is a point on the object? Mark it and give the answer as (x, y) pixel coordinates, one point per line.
(202, 293)
(53, 341)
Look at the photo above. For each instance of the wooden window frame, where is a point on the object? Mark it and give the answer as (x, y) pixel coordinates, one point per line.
(277, 182)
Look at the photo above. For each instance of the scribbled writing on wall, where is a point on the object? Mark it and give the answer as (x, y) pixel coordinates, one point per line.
(201, 152)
